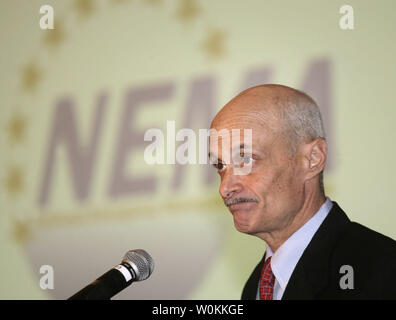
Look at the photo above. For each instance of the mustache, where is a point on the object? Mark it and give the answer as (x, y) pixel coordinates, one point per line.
(230, 202)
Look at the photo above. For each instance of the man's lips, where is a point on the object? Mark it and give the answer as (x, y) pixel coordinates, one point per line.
(240, 204)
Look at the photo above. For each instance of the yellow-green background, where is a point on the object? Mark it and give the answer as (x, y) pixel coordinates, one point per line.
(117, 45)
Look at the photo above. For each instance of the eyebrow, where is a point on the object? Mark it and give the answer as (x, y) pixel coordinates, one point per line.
(242, 146)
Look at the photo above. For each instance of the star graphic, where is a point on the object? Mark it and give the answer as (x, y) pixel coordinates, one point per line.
(20, 231)
(16, 128)
(84, 8)
(14, 181)
(153, 2)
(31, 75)
(118, 1)
(187, 10)
(53, 37)
(213, 45)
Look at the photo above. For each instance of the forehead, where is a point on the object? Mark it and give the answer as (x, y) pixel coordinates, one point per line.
(253, 112)
(239, 129)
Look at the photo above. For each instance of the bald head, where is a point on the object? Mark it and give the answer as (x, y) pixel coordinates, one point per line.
(281, 109)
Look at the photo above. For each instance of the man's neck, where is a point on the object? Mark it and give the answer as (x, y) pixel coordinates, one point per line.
(310, 206)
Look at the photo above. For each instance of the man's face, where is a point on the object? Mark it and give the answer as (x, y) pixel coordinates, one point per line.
(269, 196)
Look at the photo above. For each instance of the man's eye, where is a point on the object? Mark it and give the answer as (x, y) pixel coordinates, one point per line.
(247, 160)
(219, 166)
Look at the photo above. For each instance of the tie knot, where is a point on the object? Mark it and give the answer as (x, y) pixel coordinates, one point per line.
(267, 262)
(267, 281)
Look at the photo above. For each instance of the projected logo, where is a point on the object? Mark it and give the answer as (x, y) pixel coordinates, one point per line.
(79, 191)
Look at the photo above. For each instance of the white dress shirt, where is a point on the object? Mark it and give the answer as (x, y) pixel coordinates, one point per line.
(285, 259)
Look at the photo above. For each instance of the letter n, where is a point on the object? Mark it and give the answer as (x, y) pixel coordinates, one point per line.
(82, 157)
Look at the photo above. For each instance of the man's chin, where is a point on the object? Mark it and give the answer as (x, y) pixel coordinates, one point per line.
(242, 222)
(242, 228)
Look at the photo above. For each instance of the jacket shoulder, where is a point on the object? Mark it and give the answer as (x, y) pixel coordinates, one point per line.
(372, 257)
(357, 236)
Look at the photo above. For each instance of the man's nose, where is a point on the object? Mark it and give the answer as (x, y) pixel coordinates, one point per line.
(230, 184)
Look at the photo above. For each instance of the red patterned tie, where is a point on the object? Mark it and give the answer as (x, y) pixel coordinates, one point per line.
(267, 280)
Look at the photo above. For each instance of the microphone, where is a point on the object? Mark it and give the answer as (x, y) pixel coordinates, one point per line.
(137, 265)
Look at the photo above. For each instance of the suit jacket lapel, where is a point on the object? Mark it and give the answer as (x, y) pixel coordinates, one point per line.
(250, 290)
(311, 273)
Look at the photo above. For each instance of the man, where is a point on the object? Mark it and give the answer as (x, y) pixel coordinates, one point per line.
(313, 250)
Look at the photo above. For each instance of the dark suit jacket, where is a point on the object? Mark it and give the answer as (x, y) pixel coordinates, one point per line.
(338, 242)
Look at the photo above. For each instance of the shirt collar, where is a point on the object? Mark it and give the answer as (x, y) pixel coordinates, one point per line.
(285, 259)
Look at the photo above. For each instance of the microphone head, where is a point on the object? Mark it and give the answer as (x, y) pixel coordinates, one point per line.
(141, 262)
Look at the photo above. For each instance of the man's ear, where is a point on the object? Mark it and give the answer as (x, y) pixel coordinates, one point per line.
(315, 155)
